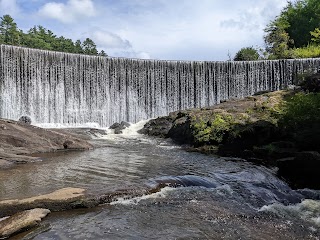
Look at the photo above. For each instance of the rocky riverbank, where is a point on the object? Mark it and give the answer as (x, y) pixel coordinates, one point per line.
(18, 141)
(250, 128)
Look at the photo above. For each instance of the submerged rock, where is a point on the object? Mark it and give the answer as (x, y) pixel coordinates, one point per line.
(21, 221)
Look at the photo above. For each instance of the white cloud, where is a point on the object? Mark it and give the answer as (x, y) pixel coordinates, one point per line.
(68, 12)
(109, 40)
(131, 53)
(9, 7)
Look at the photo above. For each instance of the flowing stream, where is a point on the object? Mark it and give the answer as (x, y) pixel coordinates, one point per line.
(206, 197)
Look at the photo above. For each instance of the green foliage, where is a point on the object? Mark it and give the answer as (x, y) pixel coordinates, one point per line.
(212, 131)
(315, 36)
(301, 110)
(89, 47)
(295, 27)
(9, 32)
(247, 54)
(310, 51)
(42, 38)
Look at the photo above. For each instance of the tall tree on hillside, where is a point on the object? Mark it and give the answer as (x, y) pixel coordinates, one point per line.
(89, 47)
(9, 32)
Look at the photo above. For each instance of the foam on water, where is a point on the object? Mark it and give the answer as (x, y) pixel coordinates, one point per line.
(133, 201)
(308, 210)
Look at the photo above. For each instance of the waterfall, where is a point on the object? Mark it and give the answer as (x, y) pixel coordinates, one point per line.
(55, 87)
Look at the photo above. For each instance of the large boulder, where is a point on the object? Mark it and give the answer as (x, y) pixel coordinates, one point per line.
(311, 83)
(22, 221)
(301, 171)
(158, 127)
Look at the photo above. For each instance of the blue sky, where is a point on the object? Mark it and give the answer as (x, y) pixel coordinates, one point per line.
(158, 29)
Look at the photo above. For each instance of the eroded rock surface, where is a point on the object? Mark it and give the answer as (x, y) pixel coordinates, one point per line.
(17, 140)
(21, 221)
(63, 199)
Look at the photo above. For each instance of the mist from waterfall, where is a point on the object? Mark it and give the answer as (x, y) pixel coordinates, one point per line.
(73, 89)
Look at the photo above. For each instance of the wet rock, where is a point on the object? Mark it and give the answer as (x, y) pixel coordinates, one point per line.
(159, 127)
(118, 127)
(22, 221)
(25, 120)
(63, 199)
(302, 171)
(181, 131)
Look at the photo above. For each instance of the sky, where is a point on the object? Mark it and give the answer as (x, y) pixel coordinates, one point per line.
(203, 30)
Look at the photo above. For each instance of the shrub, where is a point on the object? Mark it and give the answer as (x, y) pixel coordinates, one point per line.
(301, 111)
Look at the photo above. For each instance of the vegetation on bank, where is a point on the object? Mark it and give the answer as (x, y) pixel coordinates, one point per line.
(42, 38)
(295, 33)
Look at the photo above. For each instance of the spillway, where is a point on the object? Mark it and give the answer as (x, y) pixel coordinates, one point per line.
(56, 87)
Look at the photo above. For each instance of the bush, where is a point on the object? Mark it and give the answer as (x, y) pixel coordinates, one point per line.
(311, 51)
(247, 54)
(301, 111)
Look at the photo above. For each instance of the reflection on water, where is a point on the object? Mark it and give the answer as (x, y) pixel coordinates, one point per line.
(205, 197)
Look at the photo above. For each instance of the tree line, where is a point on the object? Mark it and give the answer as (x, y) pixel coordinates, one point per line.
(295, 33)
(42, 38)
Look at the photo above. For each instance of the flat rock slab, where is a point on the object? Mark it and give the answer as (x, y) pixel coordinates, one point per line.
(21, 221)
(63, 199)
(18, 139)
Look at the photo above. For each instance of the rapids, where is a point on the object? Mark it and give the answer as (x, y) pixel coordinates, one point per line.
(201, 197)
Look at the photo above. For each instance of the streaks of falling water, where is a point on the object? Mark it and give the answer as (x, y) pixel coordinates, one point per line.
(55, 87)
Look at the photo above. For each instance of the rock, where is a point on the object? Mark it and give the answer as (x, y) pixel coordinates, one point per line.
(158, 127)
(25, 120)
(246, 136)
(19, 139)
(181, 131)
(63, 199)
(22, 221)
(301, 171)
(114, 126)
(311, 83)
(118, 127)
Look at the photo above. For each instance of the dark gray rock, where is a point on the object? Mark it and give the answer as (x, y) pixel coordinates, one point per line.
(301, 171)
(158, 127)
(25, 120)
(118, 127)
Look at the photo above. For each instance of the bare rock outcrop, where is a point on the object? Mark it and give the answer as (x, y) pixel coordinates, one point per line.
(21, 221)
(18, 140)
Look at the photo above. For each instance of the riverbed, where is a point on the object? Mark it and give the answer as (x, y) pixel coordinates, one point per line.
(202, 197)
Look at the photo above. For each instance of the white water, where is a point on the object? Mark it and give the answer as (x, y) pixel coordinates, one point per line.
(71, 89)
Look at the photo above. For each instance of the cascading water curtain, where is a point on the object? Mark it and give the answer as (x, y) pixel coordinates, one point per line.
(55, 87)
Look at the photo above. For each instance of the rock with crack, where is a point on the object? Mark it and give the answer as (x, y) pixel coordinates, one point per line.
(22, 221)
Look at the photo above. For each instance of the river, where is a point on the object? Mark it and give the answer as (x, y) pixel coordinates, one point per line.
(206, 197)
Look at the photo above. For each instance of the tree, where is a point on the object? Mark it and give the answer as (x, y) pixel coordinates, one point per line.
(247, 54)
(89, 47)
(10, 34)
(291, 29)
(78, 47)
(315, 36)
(102, 53)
